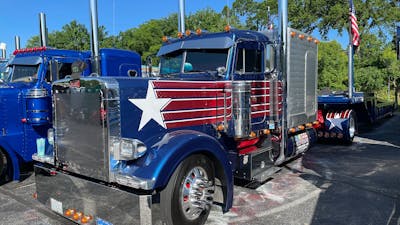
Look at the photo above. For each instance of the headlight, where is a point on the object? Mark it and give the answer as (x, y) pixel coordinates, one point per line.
(50, 136)
(127, 148)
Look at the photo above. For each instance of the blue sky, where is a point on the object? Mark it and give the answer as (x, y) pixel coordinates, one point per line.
(20, 17)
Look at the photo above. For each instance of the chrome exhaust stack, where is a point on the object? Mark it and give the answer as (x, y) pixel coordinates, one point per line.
(94, 37)
(3, 50)
(17, 42)
(282, 54)
(43, 29)
(181, 16)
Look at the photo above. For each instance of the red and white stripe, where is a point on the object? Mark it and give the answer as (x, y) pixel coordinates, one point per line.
(197, 103)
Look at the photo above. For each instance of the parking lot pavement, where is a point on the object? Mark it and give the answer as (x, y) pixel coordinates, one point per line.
(331, 184)
(18, 207)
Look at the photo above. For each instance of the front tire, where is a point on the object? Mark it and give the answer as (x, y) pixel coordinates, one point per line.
(4, 168)
(188, 197)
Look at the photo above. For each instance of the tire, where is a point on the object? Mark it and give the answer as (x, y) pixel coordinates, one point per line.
(4, 168)
(351, 128)
(179, 203)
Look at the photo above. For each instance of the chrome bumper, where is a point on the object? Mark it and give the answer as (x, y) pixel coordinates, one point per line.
(104, 204)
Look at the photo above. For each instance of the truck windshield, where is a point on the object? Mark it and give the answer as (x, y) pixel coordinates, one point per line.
(24, 73)
(202, 60)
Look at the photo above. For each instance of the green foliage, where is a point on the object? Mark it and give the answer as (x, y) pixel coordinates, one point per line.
(332, 66)
(74, 36)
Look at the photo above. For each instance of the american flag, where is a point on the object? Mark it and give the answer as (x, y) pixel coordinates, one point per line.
(354, 26)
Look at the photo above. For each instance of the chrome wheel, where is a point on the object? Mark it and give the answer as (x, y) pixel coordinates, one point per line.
(352, 127)
(196, 194)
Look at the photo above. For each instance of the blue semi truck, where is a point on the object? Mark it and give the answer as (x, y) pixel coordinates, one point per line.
(25, 96)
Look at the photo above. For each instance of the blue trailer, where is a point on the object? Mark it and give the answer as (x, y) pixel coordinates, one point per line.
(25, 96)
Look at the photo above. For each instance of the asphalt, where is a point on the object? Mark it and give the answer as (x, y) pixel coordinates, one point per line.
(331, 184)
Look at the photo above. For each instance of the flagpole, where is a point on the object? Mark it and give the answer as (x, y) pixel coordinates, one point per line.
(350, 56)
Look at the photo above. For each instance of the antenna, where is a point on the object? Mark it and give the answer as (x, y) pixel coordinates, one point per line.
(113, 12)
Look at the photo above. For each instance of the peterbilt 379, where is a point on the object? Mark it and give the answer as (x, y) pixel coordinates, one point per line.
(162, 150)
(25, 96)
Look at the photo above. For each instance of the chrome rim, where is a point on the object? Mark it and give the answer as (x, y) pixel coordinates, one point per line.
(352, 127)
(196, 193)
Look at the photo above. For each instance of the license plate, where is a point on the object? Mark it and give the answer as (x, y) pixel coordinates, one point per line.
(56, 206)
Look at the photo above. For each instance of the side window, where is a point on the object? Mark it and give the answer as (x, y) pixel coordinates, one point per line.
(269, 58)
(64, 70)
(249, 60)
(253, 61)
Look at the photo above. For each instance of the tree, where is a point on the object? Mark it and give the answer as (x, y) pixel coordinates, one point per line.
(332, 66)
(74, 36)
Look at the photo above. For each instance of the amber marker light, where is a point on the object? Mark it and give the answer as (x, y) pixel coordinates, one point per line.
(253, 134)
(292, 130)
(164, 39)
(266, 132)
(198, 31)
(86, 219)
(301, 36)
(69, 212)
(77, 215)
(188, 32)
(227, 28)
(316, 41)
(308, 125)
(309, 39)
(301, 127)
(180, 35)
(220, 127)
(292, 33)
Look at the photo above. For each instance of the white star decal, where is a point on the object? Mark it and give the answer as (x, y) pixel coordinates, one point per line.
(336, 122)
(151, 107)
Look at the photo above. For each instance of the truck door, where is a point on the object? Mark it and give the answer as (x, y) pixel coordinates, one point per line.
(249, 67)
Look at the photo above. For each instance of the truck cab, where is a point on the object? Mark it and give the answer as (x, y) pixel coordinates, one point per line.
(162, 149)
(25, 97)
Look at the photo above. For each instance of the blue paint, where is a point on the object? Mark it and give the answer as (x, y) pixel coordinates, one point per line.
(25, 118)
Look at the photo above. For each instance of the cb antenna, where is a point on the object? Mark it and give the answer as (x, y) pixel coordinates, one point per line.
(228, 16)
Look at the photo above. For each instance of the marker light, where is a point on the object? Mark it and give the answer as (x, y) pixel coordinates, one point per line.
(188, 32)
(220, 127)
(227, 28)
(292, 130)
(69, 212)
(164, 38)
(301, 36)
(86, 219)
(77, 215)
(198, 31)
(292, 33)
(301, 127)
(316, 41)
(309, 39)
(266, 132)
(180, 35)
